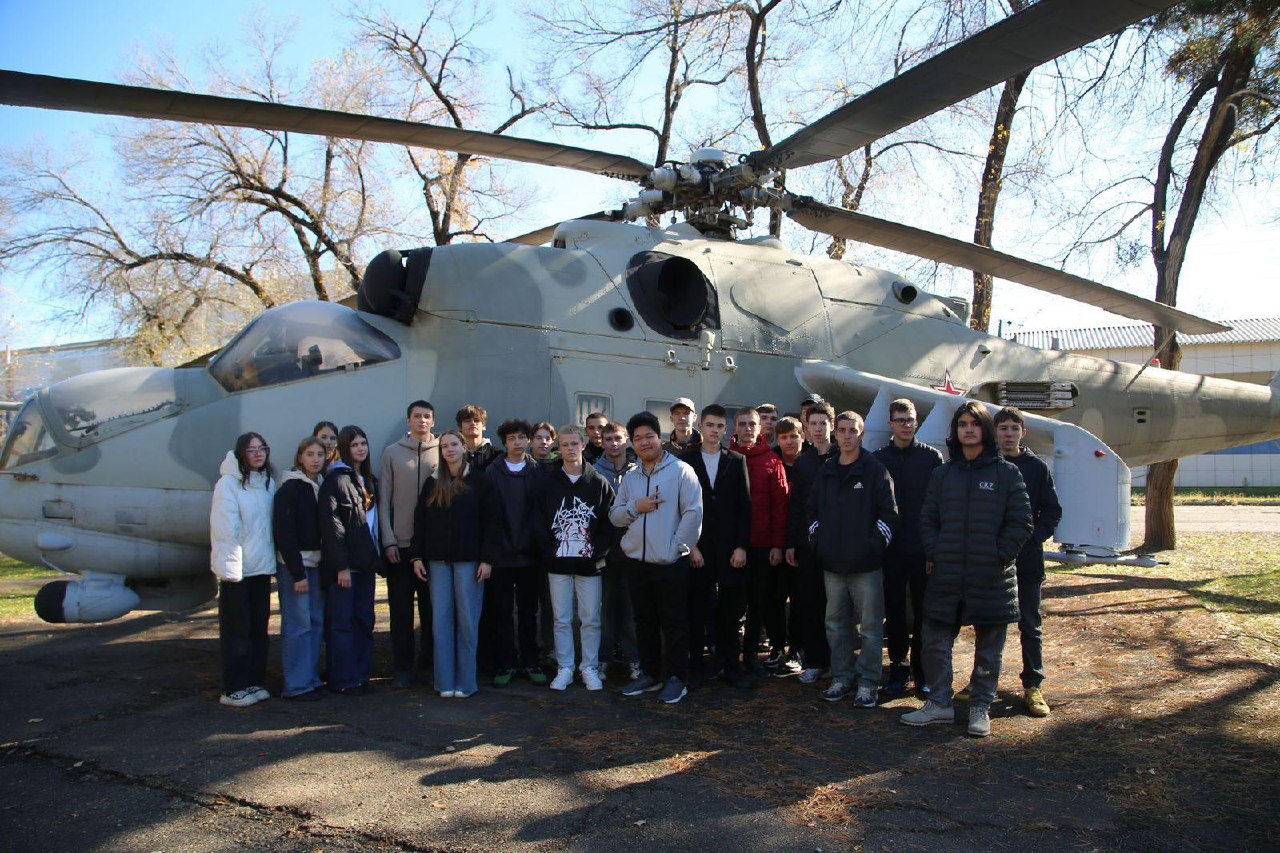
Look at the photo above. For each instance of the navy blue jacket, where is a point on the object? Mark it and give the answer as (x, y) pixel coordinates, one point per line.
(1046, 512)
(910, 467)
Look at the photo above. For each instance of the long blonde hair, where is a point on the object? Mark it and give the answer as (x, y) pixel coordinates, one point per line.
(448, 486)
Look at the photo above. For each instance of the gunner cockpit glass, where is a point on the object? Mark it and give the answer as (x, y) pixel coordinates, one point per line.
(297, 341)
(104, 403)
(28, 439)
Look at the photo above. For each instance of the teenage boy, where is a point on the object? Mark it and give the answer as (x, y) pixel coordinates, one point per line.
(910, 463)
(720, 557)
(854, 516)
(509, 548)
(617, 621)
(808, 403)
(405, 466)
(543, 446)
(683, 435)
(975, 520)
(789, 442)
(471, 420)
(1046, 512)
(768, 423)
(595, 425)
(660, 505)
(572, 509)
(766, 576)
(811, 590)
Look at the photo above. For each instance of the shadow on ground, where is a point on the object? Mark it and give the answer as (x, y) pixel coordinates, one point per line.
(1162, 737)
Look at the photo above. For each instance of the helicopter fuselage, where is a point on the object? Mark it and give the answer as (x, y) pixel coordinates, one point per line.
(111, 473)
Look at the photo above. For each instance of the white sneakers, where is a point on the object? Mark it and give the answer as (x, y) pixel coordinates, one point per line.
(590, 677)
(239, 699)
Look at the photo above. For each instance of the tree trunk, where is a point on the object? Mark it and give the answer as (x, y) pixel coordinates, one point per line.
(992, 182)
(1160, 533)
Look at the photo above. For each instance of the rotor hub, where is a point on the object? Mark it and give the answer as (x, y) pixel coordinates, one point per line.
(713, 194)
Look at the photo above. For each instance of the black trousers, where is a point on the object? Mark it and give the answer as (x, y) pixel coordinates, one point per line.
(766, 609)
(731, 606)
(904, 584)
(811, 602)
(702, 609)
(1030, 631)
(660, 599)
(244, 608)
(514, 591)
(402, 587)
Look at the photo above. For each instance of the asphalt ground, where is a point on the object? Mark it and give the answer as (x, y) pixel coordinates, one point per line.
(111, 738)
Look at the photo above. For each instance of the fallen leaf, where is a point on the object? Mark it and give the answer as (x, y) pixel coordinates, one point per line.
(639, 823)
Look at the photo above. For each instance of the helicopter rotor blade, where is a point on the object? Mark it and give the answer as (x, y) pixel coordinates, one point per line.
(61, 93)
(1018, 43)
(850, 225)
(542, 235)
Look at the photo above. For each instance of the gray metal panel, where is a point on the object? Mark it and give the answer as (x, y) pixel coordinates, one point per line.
(60, 93)
(839, 222)
(1018, 43)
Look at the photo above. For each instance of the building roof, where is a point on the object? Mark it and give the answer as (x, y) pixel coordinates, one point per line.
(1141, 336)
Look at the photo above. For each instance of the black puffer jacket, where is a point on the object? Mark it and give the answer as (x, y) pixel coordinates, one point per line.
(344, 527)
(451, 534)
(910, 467)
(975, 518)
(853, 514)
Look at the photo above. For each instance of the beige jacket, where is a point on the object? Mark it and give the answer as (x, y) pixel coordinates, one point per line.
(405, 466)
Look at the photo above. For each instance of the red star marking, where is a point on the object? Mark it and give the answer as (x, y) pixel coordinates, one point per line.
(949, 387)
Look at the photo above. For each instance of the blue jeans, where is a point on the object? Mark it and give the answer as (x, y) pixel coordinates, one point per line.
(301, 632)
(349, 631)
(456, 599)
(855, 602)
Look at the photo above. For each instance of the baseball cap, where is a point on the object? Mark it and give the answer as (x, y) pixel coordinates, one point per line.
(812, 398)
(683, 401)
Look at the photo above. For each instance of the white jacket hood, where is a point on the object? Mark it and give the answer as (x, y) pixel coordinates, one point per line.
(241, 543)
(298, 475)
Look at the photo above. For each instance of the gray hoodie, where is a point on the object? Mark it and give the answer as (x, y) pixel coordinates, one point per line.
(670, 531)
(405, 466)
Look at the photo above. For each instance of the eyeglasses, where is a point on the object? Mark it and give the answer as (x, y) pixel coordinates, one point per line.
(903, 421)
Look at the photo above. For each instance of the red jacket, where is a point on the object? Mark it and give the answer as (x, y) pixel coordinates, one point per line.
(769, 490)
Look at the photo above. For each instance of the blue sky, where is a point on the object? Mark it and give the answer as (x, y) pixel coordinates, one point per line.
(1233, 270)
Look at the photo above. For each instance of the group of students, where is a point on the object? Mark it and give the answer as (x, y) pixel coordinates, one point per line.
(683, 555)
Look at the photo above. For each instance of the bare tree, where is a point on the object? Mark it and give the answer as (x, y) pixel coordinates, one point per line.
(443, 67)
(202, 227)
(1227, 60)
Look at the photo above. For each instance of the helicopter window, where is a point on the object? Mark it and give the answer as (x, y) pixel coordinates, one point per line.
(298, 341)
(28, 440)
(672, 295)
(95, 405)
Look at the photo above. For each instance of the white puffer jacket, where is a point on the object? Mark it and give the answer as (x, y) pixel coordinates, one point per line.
(240, 524)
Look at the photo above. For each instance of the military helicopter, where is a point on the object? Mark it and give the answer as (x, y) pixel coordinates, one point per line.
(106, 477)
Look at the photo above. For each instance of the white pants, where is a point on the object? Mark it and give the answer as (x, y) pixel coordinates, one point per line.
(563, 588)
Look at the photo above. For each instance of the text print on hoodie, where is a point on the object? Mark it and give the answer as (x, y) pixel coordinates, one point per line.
(240, 524)
(668, 533)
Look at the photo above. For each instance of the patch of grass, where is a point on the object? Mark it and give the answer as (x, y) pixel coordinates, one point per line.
(1236, 576)
(16, 570)
(16, 607)
(1206, 496)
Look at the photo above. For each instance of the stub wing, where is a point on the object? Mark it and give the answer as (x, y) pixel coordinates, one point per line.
(1092, 481)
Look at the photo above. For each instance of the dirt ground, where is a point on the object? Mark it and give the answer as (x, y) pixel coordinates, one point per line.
(1163, 736)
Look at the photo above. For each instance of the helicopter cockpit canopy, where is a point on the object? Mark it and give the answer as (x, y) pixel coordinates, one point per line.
(86, 409)
(298, 341)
